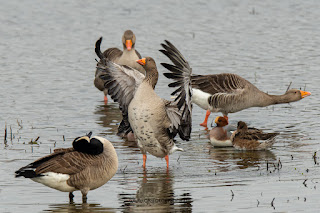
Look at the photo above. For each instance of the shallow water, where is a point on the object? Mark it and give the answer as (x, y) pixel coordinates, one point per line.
(47, 71)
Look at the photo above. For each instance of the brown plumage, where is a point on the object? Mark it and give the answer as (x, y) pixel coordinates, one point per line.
(127, 57)
(248, 139)
(229, 93)
(87, 166)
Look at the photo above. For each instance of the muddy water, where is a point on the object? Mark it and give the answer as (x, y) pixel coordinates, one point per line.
(47, 68)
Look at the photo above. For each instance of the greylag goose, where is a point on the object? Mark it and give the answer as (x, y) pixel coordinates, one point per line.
(219, 136)
(245, 139)
(154, 121)
(128, 57)
(89, 164)
(229, 93)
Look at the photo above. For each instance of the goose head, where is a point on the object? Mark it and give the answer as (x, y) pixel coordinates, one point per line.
(148, 63)
(93, 146)
(221, 121)
(150, 67)
(128, 40)
(296, 95)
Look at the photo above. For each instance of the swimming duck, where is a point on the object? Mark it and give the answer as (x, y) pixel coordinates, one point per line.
(128, 57)
(229, 93)
(244, 139)
(154, 121)
(219, 136)
(89, 164)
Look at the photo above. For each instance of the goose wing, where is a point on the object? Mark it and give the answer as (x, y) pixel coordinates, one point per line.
(179, 111)
(121, 82)
(219, 83)
(64, 161)
(226, 89)
(110, 54)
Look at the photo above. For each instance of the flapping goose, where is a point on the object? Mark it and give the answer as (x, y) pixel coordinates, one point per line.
(88, 165)
(154, 121)
(244, 139)
(219, 136)
(229, 93)
(128, 57)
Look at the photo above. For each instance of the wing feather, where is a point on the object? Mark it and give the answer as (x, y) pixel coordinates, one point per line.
(179, 111)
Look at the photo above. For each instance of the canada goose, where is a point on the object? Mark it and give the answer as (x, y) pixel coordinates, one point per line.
(244, 139)
(89, 164)
(219, 136)
(128, 57)
(154, 121)
(229, 93)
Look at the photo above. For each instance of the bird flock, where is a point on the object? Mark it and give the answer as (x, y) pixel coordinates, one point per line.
(151, 121)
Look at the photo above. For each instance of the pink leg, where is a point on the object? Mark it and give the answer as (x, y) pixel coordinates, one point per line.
(105, 100)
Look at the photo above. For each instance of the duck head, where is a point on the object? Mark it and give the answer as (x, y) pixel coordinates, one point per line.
(242, 126)
(221, 121)
(128, 40)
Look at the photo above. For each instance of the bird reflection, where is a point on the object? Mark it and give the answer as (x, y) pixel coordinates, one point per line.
(156, 193)
(110, 117)
(85, 207)
(244, 159)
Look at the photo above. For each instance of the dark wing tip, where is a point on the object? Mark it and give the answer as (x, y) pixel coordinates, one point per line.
(97, 48)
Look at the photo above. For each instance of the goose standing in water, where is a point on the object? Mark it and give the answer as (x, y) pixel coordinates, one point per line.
(245, 139)
(229, 93)
(128, 57)
(154, 121)
(88, 165)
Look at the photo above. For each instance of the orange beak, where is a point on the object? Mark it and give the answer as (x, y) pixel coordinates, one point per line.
(304, 94)
(128, 44)
(141, 61)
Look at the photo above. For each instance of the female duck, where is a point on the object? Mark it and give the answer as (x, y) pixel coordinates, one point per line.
(245, 139)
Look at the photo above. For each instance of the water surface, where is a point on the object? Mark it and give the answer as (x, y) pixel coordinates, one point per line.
(47, 71)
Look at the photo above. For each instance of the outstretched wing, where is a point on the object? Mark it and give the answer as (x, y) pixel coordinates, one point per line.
(179, 111)
(121, 82)
(110, 54)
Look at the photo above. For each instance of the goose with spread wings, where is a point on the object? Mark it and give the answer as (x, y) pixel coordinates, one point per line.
(154, 121)
(89, 164)
(128, 57)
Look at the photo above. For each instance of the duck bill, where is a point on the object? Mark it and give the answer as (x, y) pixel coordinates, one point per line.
(128, 44)
(304, 94)
(141, 61)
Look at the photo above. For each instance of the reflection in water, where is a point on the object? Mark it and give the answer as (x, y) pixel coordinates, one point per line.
(156, 194)
(244, 159)
(85, 207)
(110, 116)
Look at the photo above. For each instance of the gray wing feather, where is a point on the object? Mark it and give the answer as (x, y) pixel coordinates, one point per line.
(121, 82)
(179, 111)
